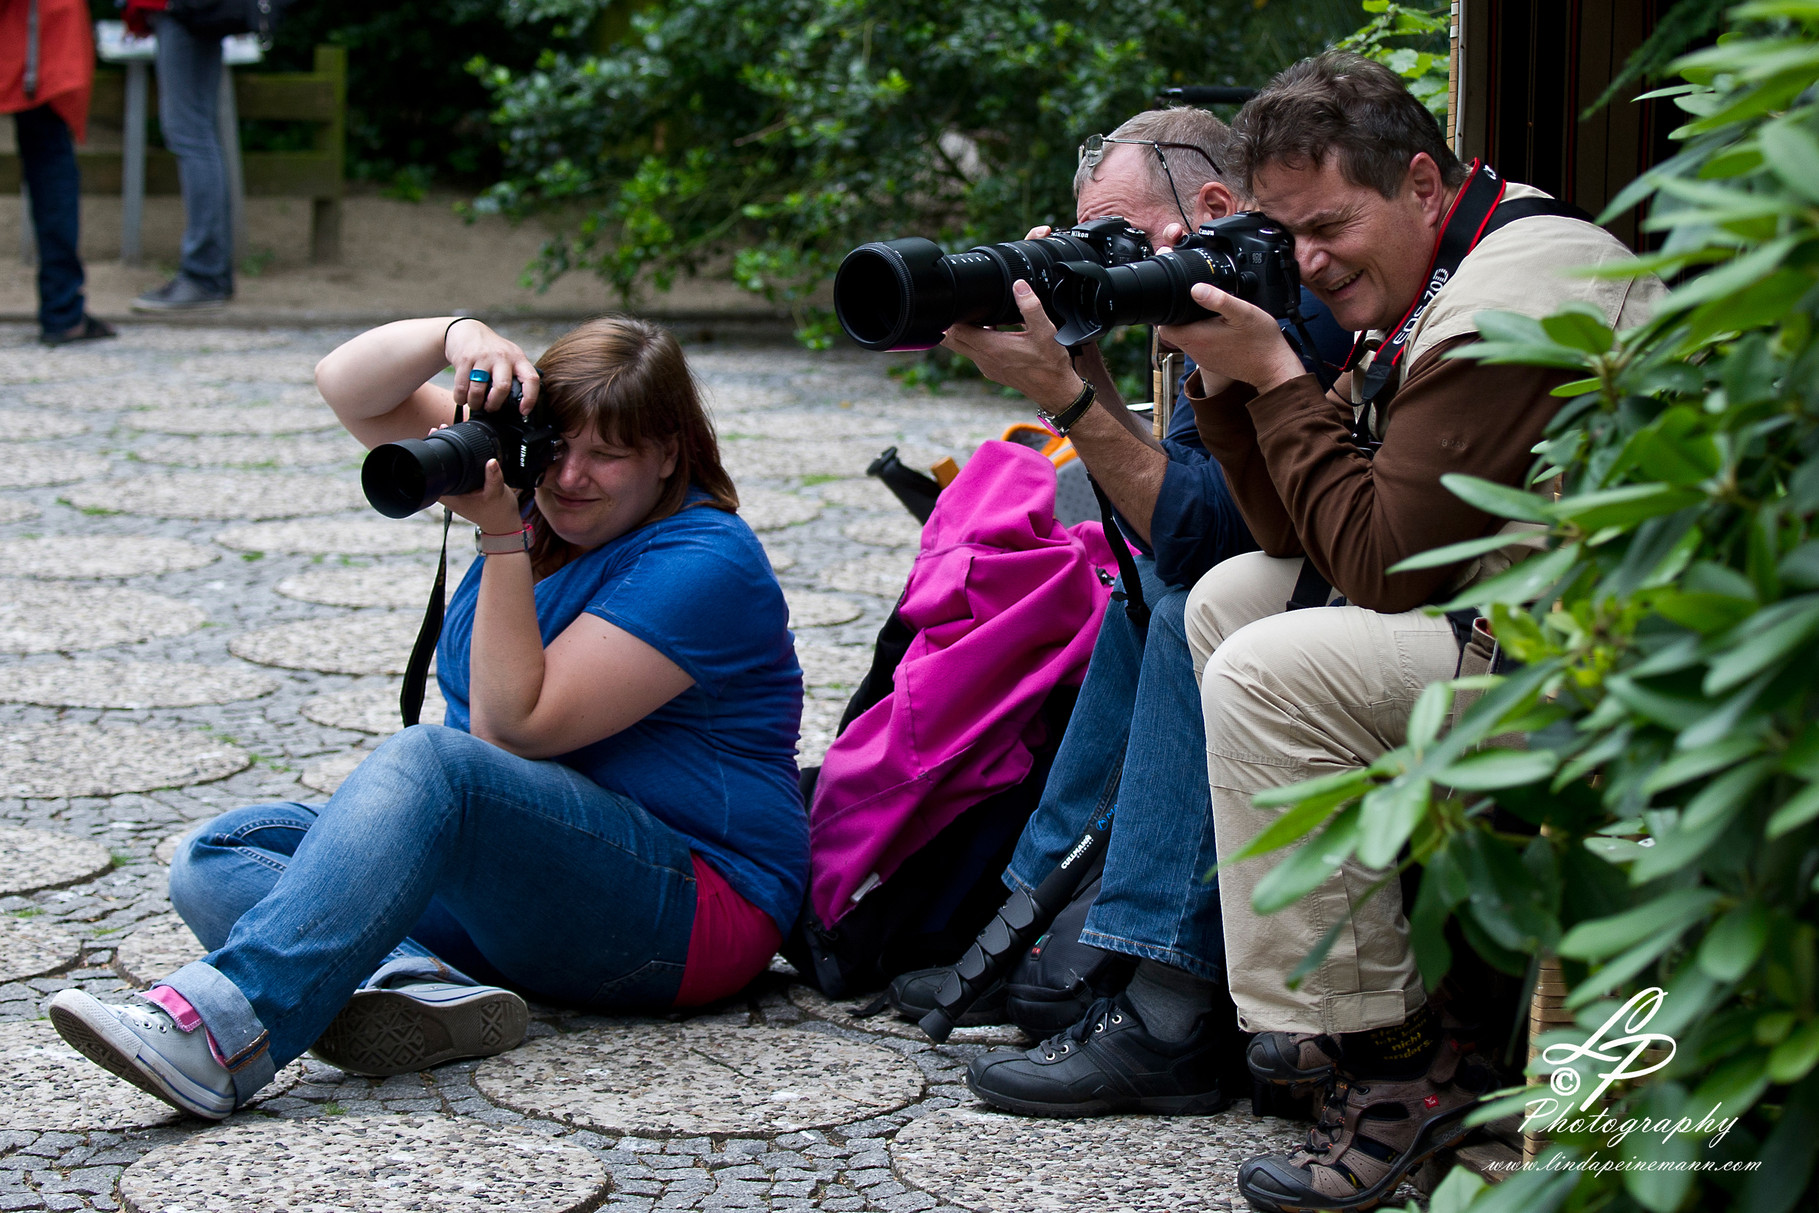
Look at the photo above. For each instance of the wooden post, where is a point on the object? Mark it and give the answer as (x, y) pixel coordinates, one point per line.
(331, 138)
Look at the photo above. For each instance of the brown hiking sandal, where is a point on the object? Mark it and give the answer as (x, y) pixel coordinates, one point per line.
(1372, 1134)
(1294, 1059)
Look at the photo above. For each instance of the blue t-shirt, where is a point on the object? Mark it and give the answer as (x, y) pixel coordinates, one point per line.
(716, 763)
(1196, 524)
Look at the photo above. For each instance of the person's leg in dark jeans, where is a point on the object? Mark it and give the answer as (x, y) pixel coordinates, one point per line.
(189, 95)
(48, 155)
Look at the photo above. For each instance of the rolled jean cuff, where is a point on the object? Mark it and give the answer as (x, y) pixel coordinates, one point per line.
(1173, 957)
(229, 1018)
(408, 968)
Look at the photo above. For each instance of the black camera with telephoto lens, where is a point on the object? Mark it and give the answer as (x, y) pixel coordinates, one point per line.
(1247, 255)
(903, 294)
(401, 478)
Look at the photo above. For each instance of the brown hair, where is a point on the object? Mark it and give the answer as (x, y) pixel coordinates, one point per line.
(1340, 103)
(1176, 124)
(627, 377)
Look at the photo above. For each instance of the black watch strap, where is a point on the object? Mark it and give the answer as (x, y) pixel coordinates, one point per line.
(1070, 416)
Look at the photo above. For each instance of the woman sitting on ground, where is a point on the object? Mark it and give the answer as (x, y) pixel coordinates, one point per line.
(610, 818)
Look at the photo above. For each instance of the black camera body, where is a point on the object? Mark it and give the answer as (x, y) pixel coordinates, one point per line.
(1248, 255)
(904, 294)
(400, 478)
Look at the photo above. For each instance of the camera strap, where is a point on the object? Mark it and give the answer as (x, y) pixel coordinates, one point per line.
(1132, 594)
(416, 670)
(1477, 211)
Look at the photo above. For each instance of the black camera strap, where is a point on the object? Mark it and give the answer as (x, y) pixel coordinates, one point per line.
(1477, 211)
(416, 670)
(1132, 594)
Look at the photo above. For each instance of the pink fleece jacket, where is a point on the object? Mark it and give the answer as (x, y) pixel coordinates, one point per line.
(1006, 604)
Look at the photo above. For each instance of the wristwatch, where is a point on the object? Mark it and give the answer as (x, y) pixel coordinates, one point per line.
(1070, 416)
(502, 545)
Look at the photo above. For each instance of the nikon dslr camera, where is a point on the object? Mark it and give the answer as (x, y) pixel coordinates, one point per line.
(401, 478)
(1247, 255)
(903, 294)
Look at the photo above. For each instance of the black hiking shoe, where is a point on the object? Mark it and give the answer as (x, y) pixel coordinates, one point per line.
(1107, 1062)
(912, 995)
(1296, 1059)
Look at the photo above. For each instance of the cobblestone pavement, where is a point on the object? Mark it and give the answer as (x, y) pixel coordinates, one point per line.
(178, 642)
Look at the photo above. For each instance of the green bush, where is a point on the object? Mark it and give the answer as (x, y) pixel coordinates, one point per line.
(765, 138)
(1669, 636)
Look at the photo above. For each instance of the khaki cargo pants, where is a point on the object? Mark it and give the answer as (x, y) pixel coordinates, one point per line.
(1288, 696)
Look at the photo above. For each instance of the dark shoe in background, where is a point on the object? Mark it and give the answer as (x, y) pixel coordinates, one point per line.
(91, 329)
(912, 995)
(1107, 1063)
(412, 1027)
(181, 294)
(1060, 977)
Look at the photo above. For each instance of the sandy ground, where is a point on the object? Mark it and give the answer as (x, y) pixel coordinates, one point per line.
(398, 259)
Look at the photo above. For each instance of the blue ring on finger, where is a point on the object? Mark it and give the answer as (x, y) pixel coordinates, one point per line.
(478, 376)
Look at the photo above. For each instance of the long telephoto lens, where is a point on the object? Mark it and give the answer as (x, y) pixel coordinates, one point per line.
(400, 478)
(1092, 298)
(904, 294)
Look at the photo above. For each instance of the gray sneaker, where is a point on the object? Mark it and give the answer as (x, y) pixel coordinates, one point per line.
(181, 294)
(142, 1044)
(413, 1027)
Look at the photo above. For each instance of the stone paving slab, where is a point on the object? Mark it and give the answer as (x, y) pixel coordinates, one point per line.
(70, 557)
(71, 759)
(260, 451)
(108, 683)
(12, 509)
(37, 425)
(374, 642)
(884, 575)
(700, 1077)
(844, 1011)
(886, 532)
(156, 948)
(219, 495)
(326, 776)
(381, 1164)
(26, 467)
(396, 586)
(39, 859)
(37, 618)
(49, 1085)
(32, 947)
(770, 510)
(808, 609)
(337, 537)
(257, 419)
(371, 708)
(993, 1162)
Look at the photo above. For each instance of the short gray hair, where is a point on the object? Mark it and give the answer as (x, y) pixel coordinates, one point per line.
(1176, 124)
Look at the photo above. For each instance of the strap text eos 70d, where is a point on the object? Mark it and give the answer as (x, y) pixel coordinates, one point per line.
(1477, 211)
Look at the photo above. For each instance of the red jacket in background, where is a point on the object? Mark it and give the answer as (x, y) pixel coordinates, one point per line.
(66, 60)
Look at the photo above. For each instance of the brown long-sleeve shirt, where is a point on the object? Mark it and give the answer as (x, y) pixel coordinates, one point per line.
(1305, 489)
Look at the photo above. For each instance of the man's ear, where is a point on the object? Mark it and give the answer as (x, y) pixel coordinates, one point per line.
(1428, 188)
(1215, 200)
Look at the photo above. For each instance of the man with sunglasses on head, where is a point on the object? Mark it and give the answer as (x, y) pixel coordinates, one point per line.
(1135, 736)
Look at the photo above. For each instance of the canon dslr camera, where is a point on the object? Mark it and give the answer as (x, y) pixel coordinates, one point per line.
(401, 478)
(904, 294)
(1247, 255)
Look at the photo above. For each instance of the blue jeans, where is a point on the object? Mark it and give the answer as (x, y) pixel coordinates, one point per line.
(189, 103)
(441, 856)
(49, 157)
(1136, 737)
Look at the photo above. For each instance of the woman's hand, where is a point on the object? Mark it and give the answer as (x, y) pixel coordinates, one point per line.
(470, 345)
(1240, 342)
(493, 508)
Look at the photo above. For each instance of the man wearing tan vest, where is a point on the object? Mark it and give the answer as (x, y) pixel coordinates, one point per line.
(1406, 243)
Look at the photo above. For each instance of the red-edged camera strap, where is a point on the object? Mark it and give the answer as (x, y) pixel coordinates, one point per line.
(1465, 225)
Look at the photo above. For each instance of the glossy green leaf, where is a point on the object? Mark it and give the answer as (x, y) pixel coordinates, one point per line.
(1792, 629)
(1706, 614)
(1734, 942)
(1795, 812)
(1792, 154)
(1304, 868)
(1296, 823)
(1389, 817)
(1489, 770)
(1625, 506)
(1498, 500)
(1469, 549)
(1581, 328)
(1523, 583)
(1692, 764)
(1607, 936)
(1625, 966)
(1800, 567)
(1429, 714)
(1796, 1056)
(1294, 793)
